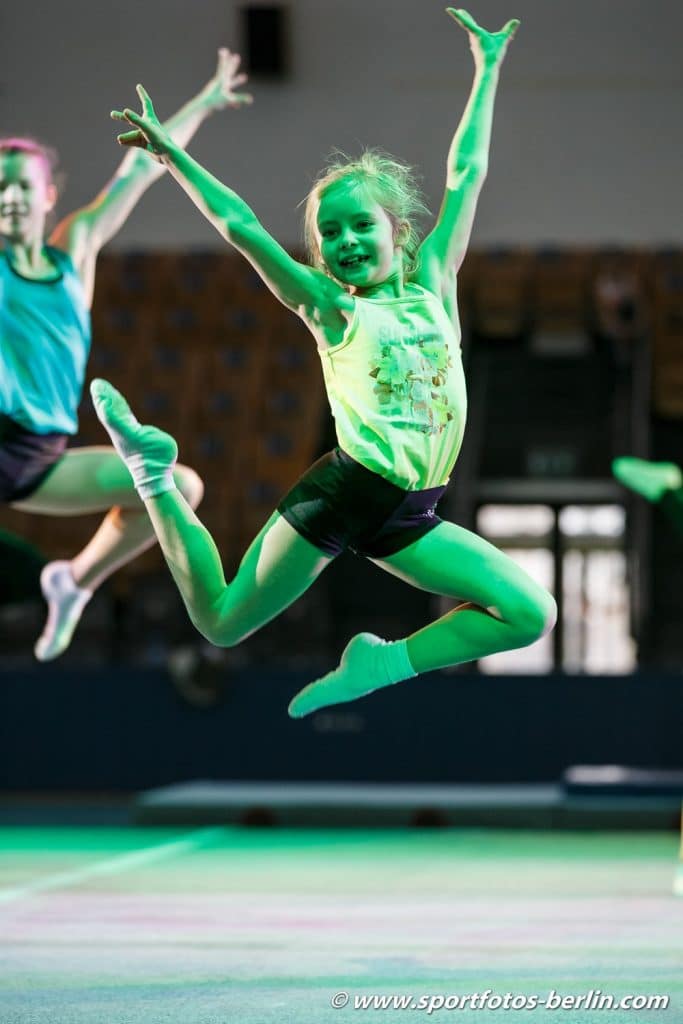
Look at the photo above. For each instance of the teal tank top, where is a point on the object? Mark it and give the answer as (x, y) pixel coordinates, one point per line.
(44, 346)
(396, 388)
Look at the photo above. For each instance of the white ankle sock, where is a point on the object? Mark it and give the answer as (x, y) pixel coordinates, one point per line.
(149, 453)
(367, 663)
(150, 478)
(395, 663)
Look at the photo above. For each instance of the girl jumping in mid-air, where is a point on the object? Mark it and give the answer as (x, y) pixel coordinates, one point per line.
(46, 292)
(382, 309)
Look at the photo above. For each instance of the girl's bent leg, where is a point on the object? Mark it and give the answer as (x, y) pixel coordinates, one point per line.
(125, 533)
(94, 479)
(90, 480)
(503, 608)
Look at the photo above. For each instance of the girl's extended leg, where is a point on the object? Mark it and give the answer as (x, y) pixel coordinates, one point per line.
(503, 609)
(91, 480)
(277, 568)
(658, 482)
(652, 480)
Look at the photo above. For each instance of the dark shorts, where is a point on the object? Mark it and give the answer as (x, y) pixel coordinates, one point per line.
(339, 504)
(26, 459)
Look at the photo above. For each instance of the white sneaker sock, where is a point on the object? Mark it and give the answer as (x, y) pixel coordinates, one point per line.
(149, 453)
(65, 604)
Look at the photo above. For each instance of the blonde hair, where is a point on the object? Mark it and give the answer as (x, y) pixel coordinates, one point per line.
(391, 183)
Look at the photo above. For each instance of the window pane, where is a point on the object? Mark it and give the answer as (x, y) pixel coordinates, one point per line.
(514, 520)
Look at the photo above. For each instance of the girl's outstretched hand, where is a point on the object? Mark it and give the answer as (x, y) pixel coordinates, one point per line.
(220, 91)
(487, 47)
(148, 134)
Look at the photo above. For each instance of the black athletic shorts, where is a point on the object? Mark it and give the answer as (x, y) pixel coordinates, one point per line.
(339, 504)
(26, 459)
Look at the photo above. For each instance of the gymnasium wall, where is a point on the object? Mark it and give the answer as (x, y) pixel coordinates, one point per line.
(587, 143)
(73, 730)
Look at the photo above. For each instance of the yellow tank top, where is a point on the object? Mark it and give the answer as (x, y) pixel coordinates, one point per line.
(396, 387)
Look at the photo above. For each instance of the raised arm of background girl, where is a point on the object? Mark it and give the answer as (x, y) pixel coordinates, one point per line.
(83, 232)
(443, 250)
(304, 289)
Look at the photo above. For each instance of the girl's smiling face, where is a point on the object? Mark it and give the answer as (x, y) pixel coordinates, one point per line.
(26, 196)
(357, 237)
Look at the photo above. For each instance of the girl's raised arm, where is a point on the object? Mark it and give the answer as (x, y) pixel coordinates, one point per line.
(298, 286)
(83, 232)
(443, 250)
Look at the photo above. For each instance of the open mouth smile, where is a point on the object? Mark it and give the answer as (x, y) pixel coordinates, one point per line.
(353, 261)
